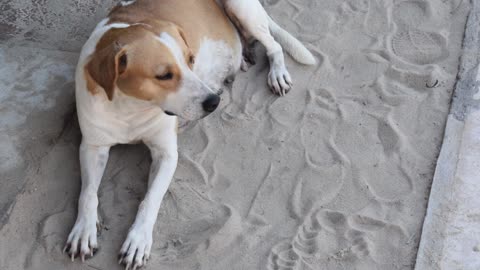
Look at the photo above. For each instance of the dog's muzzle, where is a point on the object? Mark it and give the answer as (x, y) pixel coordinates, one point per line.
(210, 104)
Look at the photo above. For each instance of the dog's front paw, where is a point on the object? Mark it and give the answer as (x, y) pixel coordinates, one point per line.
(279, 80)
(135, 251)
(82, 240)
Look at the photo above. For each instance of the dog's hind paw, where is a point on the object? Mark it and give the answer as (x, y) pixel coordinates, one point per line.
(244, 66)
(279, 81)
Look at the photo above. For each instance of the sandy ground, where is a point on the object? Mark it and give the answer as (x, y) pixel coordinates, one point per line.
(335, 175)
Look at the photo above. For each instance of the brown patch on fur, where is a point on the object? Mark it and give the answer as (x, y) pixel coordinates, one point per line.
(103, 68)
(198, 18)
(133, 59)
(91, 83)
(188, 21)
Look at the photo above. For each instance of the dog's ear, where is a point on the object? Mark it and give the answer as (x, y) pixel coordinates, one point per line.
(105, 67)
(189, 56)
(182, 35)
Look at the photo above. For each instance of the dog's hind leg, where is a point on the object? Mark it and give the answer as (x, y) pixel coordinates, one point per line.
(253, 22)
(248, 53)
(82, 240)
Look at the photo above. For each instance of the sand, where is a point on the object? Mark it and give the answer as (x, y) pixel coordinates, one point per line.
(335, 175)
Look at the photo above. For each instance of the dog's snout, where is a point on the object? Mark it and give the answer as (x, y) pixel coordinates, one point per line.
(211, 103)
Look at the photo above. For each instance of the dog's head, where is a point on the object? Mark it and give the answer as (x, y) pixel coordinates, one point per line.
(151, 62)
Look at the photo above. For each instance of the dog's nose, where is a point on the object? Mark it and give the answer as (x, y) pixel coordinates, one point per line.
(211, 103)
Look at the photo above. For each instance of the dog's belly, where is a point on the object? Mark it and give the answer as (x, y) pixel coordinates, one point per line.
(215, 62)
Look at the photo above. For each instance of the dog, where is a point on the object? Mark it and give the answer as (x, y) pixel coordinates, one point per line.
(147, 63)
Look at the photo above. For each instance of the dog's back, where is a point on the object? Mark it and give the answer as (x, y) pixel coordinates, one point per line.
(195, 17)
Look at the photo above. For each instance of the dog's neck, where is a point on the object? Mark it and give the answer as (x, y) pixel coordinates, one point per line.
(125, 105)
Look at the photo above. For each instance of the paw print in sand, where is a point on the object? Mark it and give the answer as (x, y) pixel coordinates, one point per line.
(335, 241)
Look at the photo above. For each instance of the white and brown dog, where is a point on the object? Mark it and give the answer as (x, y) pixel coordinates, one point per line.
(149, 61)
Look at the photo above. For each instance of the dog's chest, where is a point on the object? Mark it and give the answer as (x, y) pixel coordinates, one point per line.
(215, 61)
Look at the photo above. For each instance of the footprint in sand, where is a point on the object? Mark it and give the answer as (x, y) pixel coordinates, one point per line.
(388, 178)
(296, 253)
(286, 113)
(192, 221)
(323, 173)
(383, 171)
(413, 44)
(419, 47)
(377, 22)
(337, 241)
(411, 13)
(184, 240)
(384, 239)
(319, 238)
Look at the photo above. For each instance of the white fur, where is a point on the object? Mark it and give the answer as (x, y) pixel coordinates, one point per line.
(187, 100)
(215, 61)
(254, 20)
(124, 3)
(292, 45)
(83, 237)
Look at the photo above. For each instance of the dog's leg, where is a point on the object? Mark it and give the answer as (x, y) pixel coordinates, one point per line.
(251, 18)
(248, 53)
(83, 237)
(136, 248)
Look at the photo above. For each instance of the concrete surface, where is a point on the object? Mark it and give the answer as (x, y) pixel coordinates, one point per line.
(50, 24)
(39, 45)
(451, 231)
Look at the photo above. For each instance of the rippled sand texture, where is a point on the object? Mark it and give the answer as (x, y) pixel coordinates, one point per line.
(335, 175)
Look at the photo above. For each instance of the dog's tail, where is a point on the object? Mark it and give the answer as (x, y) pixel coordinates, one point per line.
(292, 45)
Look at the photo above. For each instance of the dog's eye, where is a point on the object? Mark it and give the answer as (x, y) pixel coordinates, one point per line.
(165, 77)
(191, 60)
